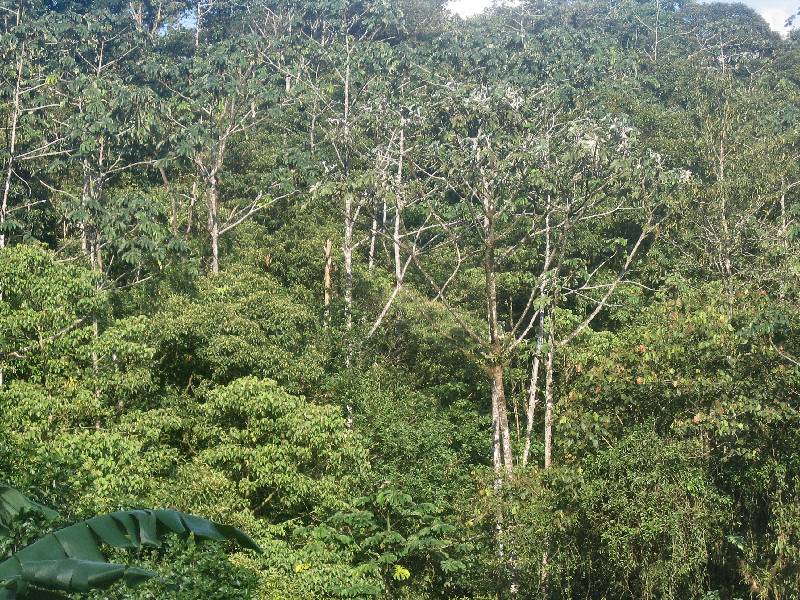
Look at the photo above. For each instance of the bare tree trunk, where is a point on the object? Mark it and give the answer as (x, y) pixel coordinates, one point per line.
(398, 215)
(190, 209)
(544, 574)
(496, 368)
(656, 31)
(349, 215)
(500, 417)
(327, 279)
(399, 266)
(213, 222)
(347, 255)
(784, 223)
(9, 172)
(373, 234)
(384, 220)
(86, 193)
(198, 25)
(497, 464)
(12, 146)
(725, 247)
(548, 399)
(173, 216)
(533, 391)
(497, 454)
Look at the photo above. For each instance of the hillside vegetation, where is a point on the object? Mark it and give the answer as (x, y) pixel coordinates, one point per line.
(431, 308)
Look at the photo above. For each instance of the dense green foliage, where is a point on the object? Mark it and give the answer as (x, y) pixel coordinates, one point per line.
(72, 559)
(506, 307)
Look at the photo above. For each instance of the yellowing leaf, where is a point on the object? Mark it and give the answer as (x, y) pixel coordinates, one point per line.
(400, 573)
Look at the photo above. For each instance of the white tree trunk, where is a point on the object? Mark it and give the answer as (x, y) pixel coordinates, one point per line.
(533, 391)
(549, 400)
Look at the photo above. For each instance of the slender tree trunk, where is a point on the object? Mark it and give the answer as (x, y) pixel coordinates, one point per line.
(384, 221)
(502, 454)
(784, 223)
(12, 148)
(327, 279)
(497, 464)
(173, 216)
(656, 31)
(349, 215)
(213, 222)
(373, 234)
(190, 209)
(399, 267)
(398, 215)
(544, 574)
(726, 241)
(347, 255)
(533, 391)
(548, 398)
(198, 25)
(86, 192)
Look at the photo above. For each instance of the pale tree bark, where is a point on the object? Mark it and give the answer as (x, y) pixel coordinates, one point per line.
(238, 111)
(549, 406)
(349, 209)
(190, 207)
(347, 260)
(210, 171)
(549, 400)
(139, 13)
(12, 148)
(398, 213)
(533, 391)
(173, 200)
(373, 237)
(202, 8)
(726, 240)
(500, 216)
(212, 207)
(400, 265)
(327, 280)
(495, 343)
(27, 81)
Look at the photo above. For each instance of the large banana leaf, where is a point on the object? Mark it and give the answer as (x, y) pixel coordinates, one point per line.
(71, 560)
(13, 505)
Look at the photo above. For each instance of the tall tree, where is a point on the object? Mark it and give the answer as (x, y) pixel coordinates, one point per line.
(217, 93)
(564, 202)
(29, 99)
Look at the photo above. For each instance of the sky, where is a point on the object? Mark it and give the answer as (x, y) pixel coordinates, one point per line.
(775, 12)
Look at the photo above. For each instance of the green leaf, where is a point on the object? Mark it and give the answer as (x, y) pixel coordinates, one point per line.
(14, 504)
(70, 559)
